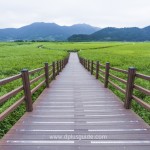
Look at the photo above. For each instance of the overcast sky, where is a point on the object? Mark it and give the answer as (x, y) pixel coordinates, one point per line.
(101, 13)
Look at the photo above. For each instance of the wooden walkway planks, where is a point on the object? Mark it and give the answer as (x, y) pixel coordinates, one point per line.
(78, 108)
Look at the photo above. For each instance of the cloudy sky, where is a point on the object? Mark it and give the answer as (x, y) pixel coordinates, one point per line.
(101, 13)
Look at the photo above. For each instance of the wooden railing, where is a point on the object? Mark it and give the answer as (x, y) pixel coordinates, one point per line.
(103, 72)
(50, 72)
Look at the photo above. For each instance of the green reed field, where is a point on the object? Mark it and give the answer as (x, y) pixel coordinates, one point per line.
(124, 56)
(16, 56)
(13, 58)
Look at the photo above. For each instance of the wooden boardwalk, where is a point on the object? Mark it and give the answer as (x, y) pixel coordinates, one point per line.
(78, 113)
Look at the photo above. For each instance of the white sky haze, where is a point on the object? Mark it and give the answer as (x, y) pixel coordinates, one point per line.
(100, 13)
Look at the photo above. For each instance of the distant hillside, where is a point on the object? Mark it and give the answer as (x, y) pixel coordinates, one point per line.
(45, 31)
(115, 34)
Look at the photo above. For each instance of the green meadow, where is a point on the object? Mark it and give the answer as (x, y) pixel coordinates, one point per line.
(31, 55)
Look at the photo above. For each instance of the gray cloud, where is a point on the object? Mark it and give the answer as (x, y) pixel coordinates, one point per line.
(102, 13)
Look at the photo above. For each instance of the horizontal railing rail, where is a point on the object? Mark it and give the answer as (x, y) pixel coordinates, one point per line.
(142, 76)
(47, 73)
(119, 70)
(35, 70)
(10, 79)
(103, 72)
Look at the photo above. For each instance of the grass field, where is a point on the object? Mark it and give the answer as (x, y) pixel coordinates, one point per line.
(16, 56)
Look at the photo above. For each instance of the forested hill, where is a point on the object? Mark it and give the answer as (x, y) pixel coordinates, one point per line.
(115, 34)
(45, 31)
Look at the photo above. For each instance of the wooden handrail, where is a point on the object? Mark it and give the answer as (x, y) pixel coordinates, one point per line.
(10, 79)
(11, 108)
(51, 76)
(100, 70)
(141, 102)
(94, 71)
(37, 87)
(141, 89)
(102, 65)
(117, 78)
(56, 67)
(14, 92)
(119, 70)
(51, 70)
(37, 78)
(50, 65)
(36, 70)
(130, 85)
(94, 68)
(101, 77)
(142, 76)
(117, 87)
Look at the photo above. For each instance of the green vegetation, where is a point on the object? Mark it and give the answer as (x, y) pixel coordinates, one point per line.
(128, 55)
(15, 56)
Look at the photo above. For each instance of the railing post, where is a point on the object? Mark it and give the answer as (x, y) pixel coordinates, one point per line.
(92, 67)
(46, 75)
(129, 87)
(82, 61)
(27, 90)
(60, 66)
(63, 63)
(57, 67)
(53, 70)
(107, 67)
(66, 61)
(97, 69)
(88, 65)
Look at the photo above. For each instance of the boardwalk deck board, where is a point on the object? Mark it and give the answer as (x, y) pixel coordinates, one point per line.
(77, 107)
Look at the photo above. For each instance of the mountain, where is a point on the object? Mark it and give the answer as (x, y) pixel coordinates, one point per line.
(115, 34)
(45, 31)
